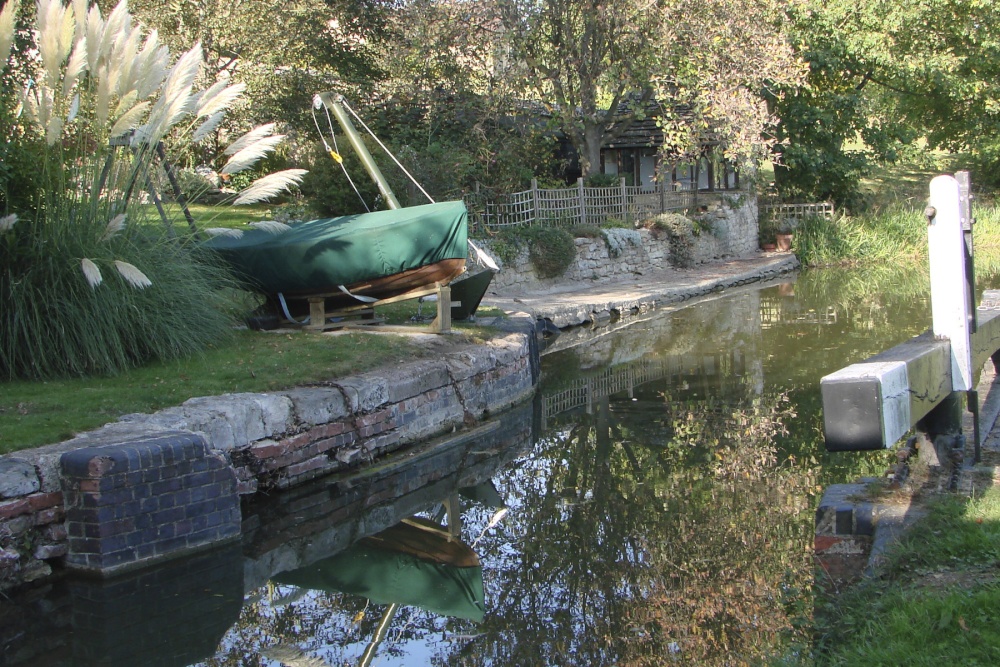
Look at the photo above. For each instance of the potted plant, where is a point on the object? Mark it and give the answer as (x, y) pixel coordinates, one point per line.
(783, 236)
(767, 231)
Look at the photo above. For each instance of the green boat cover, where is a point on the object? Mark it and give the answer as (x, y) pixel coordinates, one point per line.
(386, 577)
(320, 255)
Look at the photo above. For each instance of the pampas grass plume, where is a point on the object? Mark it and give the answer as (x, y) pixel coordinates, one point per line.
(132, 275)
(271, 226)
(249, 156)
(208, 127)
(130, 119)
(270, 185)
(218, 98)
(250, 137)
(91, 272)
(228, 232)
(115, 225)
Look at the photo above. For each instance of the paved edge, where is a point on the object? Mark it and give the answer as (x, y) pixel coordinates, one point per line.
(573, 305)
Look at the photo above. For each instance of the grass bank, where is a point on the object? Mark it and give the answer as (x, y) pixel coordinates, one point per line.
(897, 235)
(37, 413)
(937, 601)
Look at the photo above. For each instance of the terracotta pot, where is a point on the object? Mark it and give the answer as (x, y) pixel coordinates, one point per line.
(769, 247)
(783, 242)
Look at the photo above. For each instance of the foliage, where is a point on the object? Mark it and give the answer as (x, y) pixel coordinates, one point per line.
(598, 65)
(602, 180)
(890, 236)
(681, 234)
(454, 141)
(875, 76)
(86, 286)
(285, 54)
(329, 192)
(551, 250)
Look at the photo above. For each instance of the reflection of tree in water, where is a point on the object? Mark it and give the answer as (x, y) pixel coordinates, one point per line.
(631, 550)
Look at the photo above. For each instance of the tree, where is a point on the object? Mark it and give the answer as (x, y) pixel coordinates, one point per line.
(581, 61)
(598, 63)
(885, 74)
(316, 45)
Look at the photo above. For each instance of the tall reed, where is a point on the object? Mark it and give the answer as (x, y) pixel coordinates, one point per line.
(892, 239)
(88, 282)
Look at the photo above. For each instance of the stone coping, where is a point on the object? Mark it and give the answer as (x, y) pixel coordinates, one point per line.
(230, 421)
(577, 303)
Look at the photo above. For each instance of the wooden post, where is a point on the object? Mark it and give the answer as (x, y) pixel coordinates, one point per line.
(624, 192)
(534, 199)
(317, 313)
(442, 323)
(583, 201)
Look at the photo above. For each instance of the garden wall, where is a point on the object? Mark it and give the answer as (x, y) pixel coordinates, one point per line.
(162, 485)
(732, 233)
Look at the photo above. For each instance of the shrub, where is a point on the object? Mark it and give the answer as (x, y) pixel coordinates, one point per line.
(328, 190)
(680, 232)
(88, 284)
(551, 250)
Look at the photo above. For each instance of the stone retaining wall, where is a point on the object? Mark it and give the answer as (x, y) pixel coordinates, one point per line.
(627, 252)
(266, 441)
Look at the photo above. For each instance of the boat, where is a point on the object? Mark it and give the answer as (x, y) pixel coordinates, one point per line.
(354, 262)
(414, 563)
(370, 255)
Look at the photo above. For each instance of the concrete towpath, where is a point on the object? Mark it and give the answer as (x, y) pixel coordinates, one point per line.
(567, 305)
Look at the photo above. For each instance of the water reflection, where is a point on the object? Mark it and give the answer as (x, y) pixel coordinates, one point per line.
(655, 506)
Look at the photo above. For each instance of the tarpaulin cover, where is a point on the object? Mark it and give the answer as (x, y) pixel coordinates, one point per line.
(384, 575)
(320, 255)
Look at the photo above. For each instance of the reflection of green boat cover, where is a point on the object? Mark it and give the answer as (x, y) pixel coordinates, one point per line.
(320, 255)
(384, 575)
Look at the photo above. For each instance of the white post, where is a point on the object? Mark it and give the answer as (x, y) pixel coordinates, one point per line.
(583, 201)
(949, 288)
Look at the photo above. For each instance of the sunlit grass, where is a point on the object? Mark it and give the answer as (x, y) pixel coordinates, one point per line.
(209, 216)
(937, 601)
(35, 413)
(892, 237)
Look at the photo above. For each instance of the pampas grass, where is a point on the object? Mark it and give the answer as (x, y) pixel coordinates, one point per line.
(268, 186)
(88, 282)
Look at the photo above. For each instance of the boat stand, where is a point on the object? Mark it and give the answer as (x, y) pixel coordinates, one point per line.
(319, 315)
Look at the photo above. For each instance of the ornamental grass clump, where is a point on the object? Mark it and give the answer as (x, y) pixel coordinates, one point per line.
(91, 281)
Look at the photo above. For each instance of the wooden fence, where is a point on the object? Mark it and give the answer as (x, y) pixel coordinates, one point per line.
(579, 205)
(778, 211)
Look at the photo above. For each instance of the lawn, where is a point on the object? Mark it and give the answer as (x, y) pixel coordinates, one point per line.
(35, 413)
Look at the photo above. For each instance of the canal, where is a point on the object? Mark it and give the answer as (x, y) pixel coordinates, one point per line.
(654, 505)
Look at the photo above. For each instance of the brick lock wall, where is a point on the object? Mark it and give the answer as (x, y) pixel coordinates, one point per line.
(160, 485)
(137, 502)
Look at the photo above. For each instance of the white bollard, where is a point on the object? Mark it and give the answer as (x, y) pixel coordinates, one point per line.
(949, 287)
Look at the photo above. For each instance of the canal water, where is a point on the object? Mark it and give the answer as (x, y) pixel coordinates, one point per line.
(654, 505)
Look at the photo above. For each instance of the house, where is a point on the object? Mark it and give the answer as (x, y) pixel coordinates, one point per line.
(636, 154)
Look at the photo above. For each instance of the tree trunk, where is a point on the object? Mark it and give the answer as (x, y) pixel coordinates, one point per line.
(590, 151)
